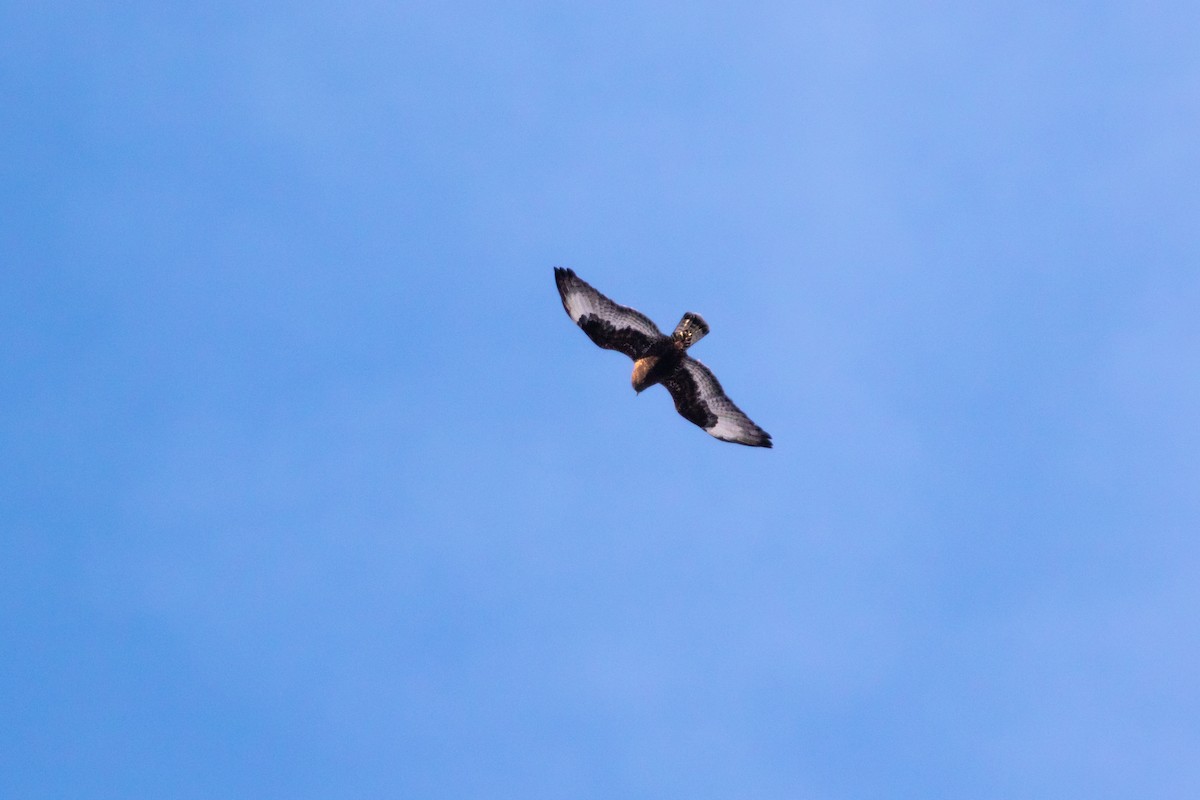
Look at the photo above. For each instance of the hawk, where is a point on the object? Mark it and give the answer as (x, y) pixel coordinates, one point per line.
(660, 359)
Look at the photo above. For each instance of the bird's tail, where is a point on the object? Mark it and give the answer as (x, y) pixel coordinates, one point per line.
(691, 329)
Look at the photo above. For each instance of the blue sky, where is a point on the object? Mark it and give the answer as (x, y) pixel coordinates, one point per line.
(311, 489)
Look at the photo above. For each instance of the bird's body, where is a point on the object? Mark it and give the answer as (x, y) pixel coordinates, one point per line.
(658, 358)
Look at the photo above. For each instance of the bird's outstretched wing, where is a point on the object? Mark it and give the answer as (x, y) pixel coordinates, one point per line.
(699, 398)
(612, 326)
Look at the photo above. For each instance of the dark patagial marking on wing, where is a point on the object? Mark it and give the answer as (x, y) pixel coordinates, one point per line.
(688, 403)
(607, 335)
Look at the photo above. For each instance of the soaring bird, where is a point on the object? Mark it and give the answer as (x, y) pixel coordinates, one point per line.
(660, 359)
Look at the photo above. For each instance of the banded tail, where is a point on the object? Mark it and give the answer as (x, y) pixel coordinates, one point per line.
(691, 329)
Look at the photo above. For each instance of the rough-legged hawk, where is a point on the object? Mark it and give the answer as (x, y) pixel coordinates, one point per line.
(660, 359)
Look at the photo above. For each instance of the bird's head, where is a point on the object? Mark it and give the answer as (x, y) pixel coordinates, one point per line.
(641, 373)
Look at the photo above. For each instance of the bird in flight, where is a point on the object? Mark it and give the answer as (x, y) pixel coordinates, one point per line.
(660, 359)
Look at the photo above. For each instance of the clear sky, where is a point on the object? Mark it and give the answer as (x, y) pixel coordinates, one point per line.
(309, 488)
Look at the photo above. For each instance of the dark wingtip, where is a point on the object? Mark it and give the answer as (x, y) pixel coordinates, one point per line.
(760, 439)
(563, 278)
